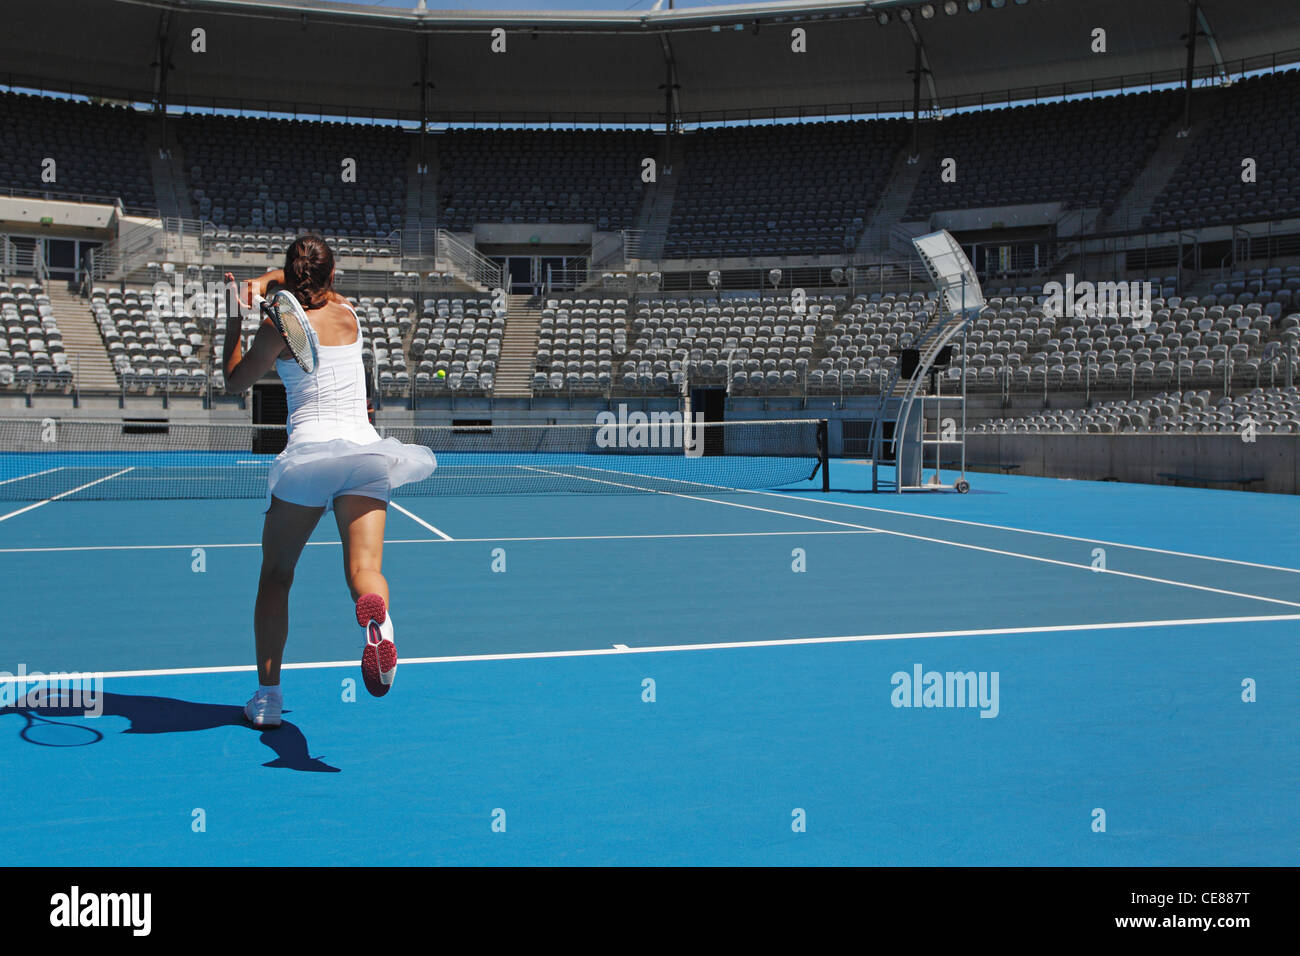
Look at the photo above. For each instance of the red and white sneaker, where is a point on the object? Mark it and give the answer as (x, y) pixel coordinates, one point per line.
(379, 659)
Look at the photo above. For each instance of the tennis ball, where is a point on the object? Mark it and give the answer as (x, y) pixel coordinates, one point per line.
(442, 373)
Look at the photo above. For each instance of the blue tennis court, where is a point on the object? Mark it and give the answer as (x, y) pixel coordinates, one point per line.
(686, 676)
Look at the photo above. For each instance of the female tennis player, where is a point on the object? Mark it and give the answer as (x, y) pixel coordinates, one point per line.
(334, 458)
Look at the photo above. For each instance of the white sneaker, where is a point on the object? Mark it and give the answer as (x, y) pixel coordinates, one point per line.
(264, 710)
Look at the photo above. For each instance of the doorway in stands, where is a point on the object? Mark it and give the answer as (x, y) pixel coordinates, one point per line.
(712, 404)
(66, 260)
(531, 274)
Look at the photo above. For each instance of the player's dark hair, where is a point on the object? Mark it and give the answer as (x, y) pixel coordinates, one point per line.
(309, 271)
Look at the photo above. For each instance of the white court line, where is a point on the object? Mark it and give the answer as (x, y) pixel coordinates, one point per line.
(675, 648)
(335, 544)
(63, 494)
(1048, 534)
(712, 501)
(34, 474)
(958, 544)
(420, 521)
(787, 496)
(900, 534)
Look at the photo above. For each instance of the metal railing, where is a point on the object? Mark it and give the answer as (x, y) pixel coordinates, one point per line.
(132, 248)
(191, 242)
(20, 259)
(633, 240)
(468, 262)
(419, 243)
(239, 243)
(567, 279)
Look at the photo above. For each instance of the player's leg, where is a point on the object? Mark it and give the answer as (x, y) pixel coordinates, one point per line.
(361, 521)
(284, 534)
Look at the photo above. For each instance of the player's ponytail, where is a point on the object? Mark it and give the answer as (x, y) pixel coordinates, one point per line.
(309, 271)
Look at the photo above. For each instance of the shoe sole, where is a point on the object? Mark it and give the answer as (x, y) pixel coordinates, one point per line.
(379, 659)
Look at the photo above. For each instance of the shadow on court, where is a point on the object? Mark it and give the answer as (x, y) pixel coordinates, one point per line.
(162, 715)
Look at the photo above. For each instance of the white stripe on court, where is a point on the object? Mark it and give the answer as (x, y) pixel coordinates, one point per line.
(334, 544)
(675, 648)
(790, 496)
(63, 494)
(714, 501)
(1048, 534)
(34, 474)
(955, 544)
(420, 521)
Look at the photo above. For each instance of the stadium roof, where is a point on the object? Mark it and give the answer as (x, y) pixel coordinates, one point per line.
(726, 61)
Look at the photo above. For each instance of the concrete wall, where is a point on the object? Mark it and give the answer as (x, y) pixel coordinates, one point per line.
(1144, 458)
(67, 219)
(521, 234)
(957, 220)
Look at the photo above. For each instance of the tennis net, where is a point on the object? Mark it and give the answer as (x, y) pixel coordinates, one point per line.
(82, 460)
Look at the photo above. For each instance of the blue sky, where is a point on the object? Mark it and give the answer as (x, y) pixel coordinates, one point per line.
(539, 4)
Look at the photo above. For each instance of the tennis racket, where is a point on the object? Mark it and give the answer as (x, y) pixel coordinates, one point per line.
(291, 322)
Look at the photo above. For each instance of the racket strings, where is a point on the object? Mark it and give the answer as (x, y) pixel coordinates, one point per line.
(292, 326)
(297, 338)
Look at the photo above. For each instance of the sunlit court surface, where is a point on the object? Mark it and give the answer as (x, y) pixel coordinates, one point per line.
(677, 678)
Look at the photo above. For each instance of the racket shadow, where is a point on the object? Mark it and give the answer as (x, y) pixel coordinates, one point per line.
(168, 715)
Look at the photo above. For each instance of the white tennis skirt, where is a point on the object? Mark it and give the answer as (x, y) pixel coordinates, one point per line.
(313, 474)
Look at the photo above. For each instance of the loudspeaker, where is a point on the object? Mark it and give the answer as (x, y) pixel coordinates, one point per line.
(944, 358)
(908, 361)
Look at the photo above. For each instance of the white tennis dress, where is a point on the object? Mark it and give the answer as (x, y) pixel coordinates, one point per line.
(333, 449)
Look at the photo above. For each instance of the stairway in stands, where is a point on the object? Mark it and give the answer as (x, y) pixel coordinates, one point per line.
(657, 211)
(421, 216)
(81, 340)
(514, 375)
(897, 194)
(167, 166)
(1164, 162)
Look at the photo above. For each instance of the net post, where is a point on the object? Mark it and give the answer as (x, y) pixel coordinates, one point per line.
(823, 452)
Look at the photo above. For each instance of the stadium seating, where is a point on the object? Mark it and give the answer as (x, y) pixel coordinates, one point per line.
(762, 345)
(271, 176)
(780, 190)
(752, 344)
(503, 176)
(578, 340)
(460, 336)
(153, 342)
(1016, 343)
(158, 342)
(1080, 153)
(226, 245)
(97, 150)
(1252, 121)
(31, 346)
(1272, 410)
